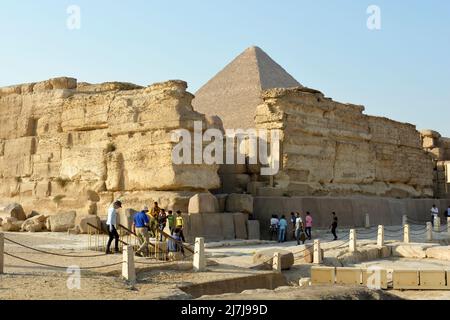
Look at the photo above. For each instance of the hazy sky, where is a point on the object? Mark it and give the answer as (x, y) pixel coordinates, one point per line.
(401, 71)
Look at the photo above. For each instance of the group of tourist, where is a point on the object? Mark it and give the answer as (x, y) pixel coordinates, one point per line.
(148, 223)
(302, 229)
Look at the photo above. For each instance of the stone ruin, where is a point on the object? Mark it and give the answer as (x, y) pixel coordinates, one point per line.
(75, 147)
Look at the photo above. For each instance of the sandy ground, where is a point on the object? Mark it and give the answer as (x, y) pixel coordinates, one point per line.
(228, 259)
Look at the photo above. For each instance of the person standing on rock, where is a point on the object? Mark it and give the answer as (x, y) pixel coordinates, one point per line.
(179, 224)
(309, 224)
(154, 219)
(140, 228)
(434, 214)
(171, 221)
(111, 224)
(162, 222)
(282, 228)
(274, 222)
(334, 226)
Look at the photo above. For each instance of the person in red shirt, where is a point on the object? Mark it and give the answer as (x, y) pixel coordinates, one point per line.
(309, 224)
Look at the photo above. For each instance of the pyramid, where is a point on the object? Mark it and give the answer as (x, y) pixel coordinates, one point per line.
(235, 92)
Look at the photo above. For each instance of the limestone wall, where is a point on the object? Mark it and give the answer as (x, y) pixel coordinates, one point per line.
(64, 145)
(438, 148)
(333, 149)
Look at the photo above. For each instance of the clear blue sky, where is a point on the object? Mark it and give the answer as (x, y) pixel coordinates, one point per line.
(401, 72)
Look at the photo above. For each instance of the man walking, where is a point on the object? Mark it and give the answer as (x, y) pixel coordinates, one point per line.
(282, 228)
(293, 223)
(162, 221)
(154, 219)
(434, 214)
(309, 224)
(111, 224)
(334, 226)
(140, 228)
(299, 235)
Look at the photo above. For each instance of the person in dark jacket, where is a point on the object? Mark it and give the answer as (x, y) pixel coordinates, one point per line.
(334, 226)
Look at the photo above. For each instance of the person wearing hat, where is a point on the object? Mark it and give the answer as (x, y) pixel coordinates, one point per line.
(140, 228)
(111, 224)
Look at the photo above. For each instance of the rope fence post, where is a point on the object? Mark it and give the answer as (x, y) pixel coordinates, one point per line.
(317, 257)
(352, 245)
(406, 234)
(437, 223)
(404, 220)
(276, 264)
(199, 255)
(2, 250)
(367, 221)
(380, 236)
(429, 231)
(128, 270)
(448, 224)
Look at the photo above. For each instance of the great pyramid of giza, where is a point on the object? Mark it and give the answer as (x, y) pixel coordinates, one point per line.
(235, 92)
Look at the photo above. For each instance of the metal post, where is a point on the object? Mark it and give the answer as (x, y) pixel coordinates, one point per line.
(380, 237)
(352, 246)
(128, 270)
(406, 234)
(317, 257)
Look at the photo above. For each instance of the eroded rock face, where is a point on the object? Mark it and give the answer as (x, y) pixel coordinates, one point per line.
(69, 147)
(334, 149)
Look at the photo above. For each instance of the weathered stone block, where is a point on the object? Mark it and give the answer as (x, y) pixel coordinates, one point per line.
(203, 203)
(265, 257)
(348, 276)
(62, 222)
(323, 275)
(240, 225)
(253, 229)
(239, 203)
(404, 279)
(432, 280)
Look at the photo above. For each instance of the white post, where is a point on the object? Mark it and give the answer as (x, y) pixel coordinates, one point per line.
(448, 224)
(367, 221)
(429, 231)
(406, 234)
(405, 220)
(437, 224)
(2, 250)
(128, 270)
(317, 258)
(276, 265)
(199, 255)
(352, 246)
(380, 237)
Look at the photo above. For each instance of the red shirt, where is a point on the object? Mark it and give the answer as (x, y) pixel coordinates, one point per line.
(309, 221)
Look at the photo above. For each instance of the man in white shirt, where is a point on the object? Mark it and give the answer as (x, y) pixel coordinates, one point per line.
(299, 229)
(434, 214)
(111, 224)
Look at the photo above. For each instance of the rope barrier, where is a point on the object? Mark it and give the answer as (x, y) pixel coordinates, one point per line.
(61, 267)
(52, 253)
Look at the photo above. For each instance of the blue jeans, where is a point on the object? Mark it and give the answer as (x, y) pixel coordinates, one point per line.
(282, 235)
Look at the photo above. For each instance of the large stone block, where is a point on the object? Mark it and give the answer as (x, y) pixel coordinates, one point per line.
(323, 275)
(349, 276)
(240, 225)
(265, 257)
(405, 279)
(228, 231)
(62, 222)
(83, 221)
(203, 203)
(253, 229)
(375, 278)
(432, 280)
(239, 203)
(15, 210)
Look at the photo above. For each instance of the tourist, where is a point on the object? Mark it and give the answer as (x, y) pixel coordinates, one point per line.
(309, 224)
(282, 227)
(274, 221)
(171, 220)
(154, 219)
(448, 212)
(334, 226)
(293, 221)
(179, 224)
(162, 221)
(140, 228)
(111, 224)
(434, 214)
(174, 244)
(299, 234)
